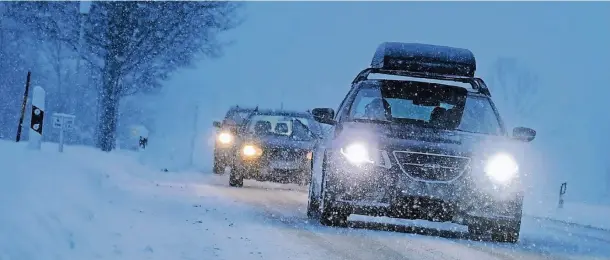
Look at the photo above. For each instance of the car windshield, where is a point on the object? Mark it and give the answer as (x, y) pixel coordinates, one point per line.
(425, 104)
(237, 117)
(295, 127)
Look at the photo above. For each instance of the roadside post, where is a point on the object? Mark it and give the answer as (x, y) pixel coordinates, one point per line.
(63, 122)
(23, 107)
(562, 191)
(37, 118)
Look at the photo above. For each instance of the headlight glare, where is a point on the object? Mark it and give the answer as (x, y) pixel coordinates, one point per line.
(251, 151)
(356, 153)
(225, 138)
(501, 168)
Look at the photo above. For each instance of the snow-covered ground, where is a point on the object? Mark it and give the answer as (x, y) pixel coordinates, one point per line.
(597, 216)
(85, 204)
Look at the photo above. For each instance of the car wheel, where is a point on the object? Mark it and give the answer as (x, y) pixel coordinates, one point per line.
(236, 179)
(507, 233)
(219, 167)
(333, 216)
(313, 204)
(477, 231)
(330, 214)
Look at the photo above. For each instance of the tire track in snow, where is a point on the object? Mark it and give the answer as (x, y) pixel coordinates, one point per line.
(286, 206)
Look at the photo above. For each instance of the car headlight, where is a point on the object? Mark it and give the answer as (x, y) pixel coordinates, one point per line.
(501, 168)
(356, 153)
(225, 138)
(251, 151)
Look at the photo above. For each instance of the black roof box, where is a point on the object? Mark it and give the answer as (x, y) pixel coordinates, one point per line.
(424, 58)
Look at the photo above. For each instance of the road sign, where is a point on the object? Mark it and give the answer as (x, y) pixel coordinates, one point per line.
(68, 123)
(63, 122)
(57, 122)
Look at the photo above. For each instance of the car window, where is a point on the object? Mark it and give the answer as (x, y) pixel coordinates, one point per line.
(479, 117)
(298, 127)
(427, 105)
(237, 117)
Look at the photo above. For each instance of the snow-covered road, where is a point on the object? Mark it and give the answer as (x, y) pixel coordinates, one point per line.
(289, 234)
(84, 204)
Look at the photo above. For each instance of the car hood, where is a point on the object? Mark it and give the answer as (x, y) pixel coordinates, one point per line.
(402, 137)
(280, 142)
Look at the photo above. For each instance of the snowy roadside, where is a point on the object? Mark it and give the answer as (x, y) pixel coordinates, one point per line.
(85, 204)
(586, 215)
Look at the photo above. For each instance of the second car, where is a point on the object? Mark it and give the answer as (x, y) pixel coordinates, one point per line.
(275, 146)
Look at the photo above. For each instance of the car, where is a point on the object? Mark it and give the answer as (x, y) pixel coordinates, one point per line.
(226, 133)
(425, 142)
(275, 145)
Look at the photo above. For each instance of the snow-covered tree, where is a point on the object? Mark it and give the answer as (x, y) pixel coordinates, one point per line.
(17, 56)
(132, 46)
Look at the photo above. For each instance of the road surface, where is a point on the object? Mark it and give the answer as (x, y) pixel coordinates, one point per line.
(282, 208)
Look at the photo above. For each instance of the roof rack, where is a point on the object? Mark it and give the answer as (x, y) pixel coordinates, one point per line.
(424, 61)
(477, 83)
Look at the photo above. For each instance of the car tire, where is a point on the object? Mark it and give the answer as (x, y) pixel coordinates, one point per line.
(219, 168)
(331, 215)
(477, 231)
(507, 233)
(236, 179)
(313, 204)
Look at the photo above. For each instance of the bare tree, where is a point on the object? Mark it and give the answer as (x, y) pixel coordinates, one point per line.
(515, 89)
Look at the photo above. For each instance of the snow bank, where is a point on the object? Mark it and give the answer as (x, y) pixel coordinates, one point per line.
(51, 203)
(597, 216)
(86, 204)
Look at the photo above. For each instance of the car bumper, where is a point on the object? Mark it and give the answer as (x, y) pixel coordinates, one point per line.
(271, 169)
(223, 152)
(375, 190)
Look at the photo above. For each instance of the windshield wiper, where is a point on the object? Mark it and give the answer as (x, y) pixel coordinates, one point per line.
(472, 132)
(371, 120)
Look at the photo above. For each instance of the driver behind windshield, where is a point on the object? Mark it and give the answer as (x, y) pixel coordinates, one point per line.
(425, 104)
(378, 109)
(282, 126)
(300, 131)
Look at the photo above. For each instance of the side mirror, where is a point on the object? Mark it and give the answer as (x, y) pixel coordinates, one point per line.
(216, 124)
(524, 134)
(324, 115)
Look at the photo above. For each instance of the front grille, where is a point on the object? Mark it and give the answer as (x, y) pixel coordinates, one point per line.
(285, 153)
(431, 167)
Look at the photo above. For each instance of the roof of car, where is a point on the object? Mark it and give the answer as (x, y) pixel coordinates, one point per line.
(282, 112)
(241, 109)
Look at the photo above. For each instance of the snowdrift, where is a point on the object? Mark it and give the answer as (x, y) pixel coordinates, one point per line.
(595, 216)
(66, 206)
(86, 204)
